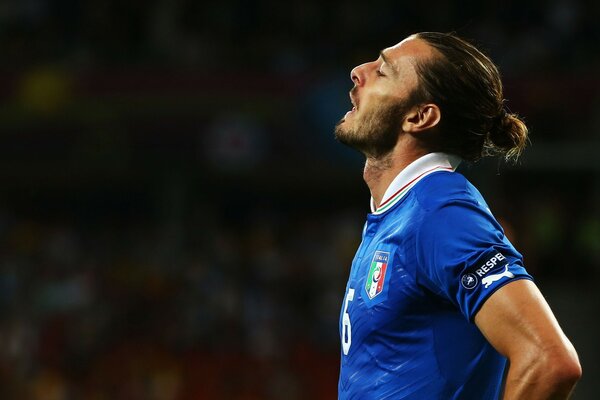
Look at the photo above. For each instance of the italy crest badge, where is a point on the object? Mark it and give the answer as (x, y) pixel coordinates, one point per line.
(376, 277)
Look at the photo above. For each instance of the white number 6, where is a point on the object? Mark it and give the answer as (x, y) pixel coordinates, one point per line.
(346, 327)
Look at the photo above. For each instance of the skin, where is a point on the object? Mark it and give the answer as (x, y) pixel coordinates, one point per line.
(518, 322)
(516, 319)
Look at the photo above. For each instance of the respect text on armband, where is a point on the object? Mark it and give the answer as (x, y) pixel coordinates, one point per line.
(489, 265)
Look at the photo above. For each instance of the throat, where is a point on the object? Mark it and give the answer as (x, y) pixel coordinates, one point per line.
(378, 175)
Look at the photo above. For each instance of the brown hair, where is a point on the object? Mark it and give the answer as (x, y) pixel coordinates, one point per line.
(466, 85)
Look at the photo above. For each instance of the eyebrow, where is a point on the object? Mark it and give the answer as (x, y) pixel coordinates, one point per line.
(387, 61)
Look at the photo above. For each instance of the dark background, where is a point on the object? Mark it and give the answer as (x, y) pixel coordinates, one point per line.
(177, 222)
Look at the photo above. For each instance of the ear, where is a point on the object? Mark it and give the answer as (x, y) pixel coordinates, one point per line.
(422, 118)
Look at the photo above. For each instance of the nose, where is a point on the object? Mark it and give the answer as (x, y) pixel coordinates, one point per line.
(357, 75)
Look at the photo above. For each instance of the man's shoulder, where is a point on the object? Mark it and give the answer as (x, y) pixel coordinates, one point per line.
(441, 188)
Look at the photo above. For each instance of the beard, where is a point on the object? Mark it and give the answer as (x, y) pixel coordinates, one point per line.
(375, 134)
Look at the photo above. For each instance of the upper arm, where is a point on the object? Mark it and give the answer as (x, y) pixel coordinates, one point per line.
(463, 256)
(519, 324)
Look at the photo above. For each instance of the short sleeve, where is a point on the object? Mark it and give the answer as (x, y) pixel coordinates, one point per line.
(464, 256)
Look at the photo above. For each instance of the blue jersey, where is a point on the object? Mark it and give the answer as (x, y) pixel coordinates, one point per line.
(430, 256)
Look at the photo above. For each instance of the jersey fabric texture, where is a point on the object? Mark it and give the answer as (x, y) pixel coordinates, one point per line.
(430, 256)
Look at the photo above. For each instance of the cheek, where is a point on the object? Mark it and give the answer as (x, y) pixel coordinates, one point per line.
(365, 112)
(370, 103)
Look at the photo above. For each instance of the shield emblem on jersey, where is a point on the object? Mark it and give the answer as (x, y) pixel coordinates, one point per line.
(376, 277)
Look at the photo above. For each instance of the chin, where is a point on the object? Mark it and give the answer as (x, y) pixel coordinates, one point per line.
(344, 128)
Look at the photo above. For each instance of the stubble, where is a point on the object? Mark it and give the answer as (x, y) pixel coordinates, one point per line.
(377, 131)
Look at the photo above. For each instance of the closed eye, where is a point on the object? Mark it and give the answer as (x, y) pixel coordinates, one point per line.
(379, 73)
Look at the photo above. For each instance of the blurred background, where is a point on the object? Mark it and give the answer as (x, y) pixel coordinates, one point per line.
(177, 222)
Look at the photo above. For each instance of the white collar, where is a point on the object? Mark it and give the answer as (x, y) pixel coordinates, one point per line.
(412, 174)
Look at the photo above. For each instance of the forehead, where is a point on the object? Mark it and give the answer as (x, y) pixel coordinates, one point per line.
(409, 50)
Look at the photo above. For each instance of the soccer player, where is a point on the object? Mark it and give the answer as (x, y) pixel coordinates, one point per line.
(438, 303)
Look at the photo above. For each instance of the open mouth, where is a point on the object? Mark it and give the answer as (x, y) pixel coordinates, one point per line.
(354, 102)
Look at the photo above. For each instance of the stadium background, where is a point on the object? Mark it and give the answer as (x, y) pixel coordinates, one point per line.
(177, 222)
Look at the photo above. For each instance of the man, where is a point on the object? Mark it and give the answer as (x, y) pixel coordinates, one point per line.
(438, 299)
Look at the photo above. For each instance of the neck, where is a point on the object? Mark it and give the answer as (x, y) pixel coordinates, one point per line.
(380, 172)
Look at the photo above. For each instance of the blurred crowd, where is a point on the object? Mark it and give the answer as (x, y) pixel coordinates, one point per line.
(176, 221)
(238, 310)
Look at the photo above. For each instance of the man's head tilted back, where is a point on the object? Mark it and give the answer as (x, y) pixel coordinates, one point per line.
(438, 89)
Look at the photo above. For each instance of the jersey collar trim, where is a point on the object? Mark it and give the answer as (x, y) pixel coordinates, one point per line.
(412, 174)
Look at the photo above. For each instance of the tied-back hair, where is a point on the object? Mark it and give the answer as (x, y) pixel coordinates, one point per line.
(466, 85)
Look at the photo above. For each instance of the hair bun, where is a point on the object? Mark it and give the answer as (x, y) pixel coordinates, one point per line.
(507, 136)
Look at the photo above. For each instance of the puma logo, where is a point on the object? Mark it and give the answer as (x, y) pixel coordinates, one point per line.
(488, 280)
